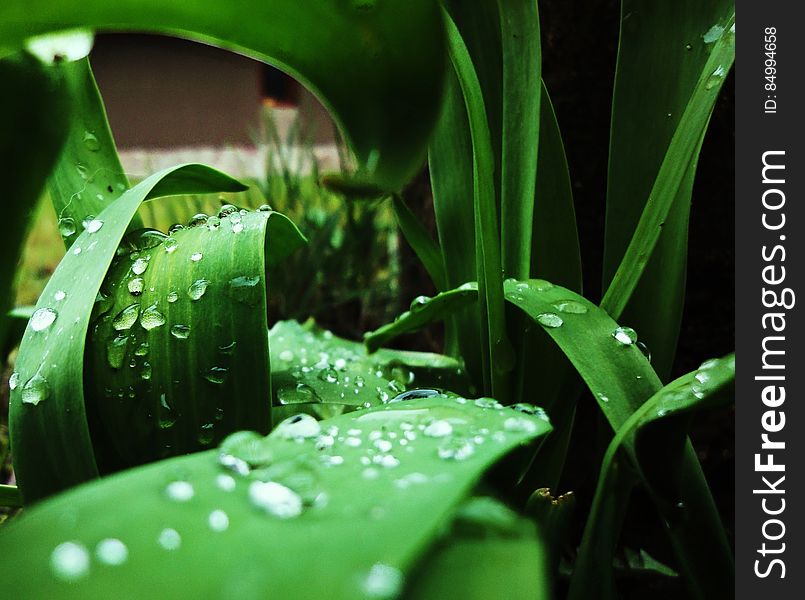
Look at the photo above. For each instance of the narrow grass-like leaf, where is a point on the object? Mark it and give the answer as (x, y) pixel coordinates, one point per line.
(392, 52)
(10, 496)
(178, 355)
(320, 373)
(497, 349)
(88, 176)
(250, 531)
(652, 445)
(650, 181)
(427, 251)
(521, 66)
(424, 311)
(33, 126)
(48, 424)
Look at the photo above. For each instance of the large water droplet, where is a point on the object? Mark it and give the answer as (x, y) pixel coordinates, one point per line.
(13, 381)
(713, 34)
(116, 351)
(136, 286)
(226, 210)
(198, 219)
(170, 245)
(715, 78)
(244, 450)
(415, 395)
(172, 297)
(93, 225)
(198, 288)
(549, 320)
(419, 303)
(438, 428)
(196, 256)
(456, 448)
(112, 552)
(570, 306)
(139, 266)
(329, 374)
(181, 332)
(298, 427)
(66, 226)
(151, 318)
(275, 499)
(300, 393)
(625, 335)
(218, 521)
(70, 561)
(59, 295)
(126, 317)
(35, 390)
(43, 318)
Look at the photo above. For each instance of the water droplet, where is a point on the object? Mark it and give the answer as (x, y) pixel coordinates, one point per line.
(216, 375)
(488, 403)
(196, 256)
(644, 349)
(142, 349)
(688, 47)
(237, 227)
(66, 226)
(116, 351)
(329, 375)
(91, 141)
(70, 561)
(382, 581)
(197, 219)
(298, 427)
(35, 390)
(275, 499)
(602, 397)
(139, 266)
(218, 521)
(93, 225)
(126, 317)
(419, 303)
(264, 208)
(181, 332)
(136, 286)
(145, 372)
(170, 245)
(59, 295)
(286, 355)
(151, 318)
(225, 483)
(245, 289)
(77, 250)
(112, 552)
(226, 210)
(172, 297)
(180, 491)
(438, 428)
(715, 78)
(713, 34)
(43, 318)
(625, 335)
(519, 424)
(456, 448)
(549, 320)
(13, 381)
(570, 306)
(169, 539)
(198, 288)
(228, 349)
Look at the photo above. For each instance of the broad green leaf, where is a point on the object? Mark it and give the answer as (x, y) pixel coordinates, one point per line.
(497, 352)
(354, 500)
(33, 126)
(320, 373)
(88, 176)
(378, 66)
(177, 357)
(672, 62)
(652, 445)
(427, 251)
(521, 91)
(507, 556)
(48, 423)
(424, 311)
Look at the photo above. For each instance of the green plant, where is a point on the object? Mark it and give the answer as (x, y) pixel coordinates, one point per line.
(147, 345)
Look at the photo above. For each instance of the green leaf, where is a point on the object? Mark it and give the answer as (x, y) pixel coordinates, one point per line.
(178, 355)
(88, 176)
(33, 126)
(521, 69)
(378, 66)
(424, 311)
(653, 441)
(368, 523)
(672, 62)
(427, 251)
(320, 373)
(497, 352)
(48, 424)
(10, 496)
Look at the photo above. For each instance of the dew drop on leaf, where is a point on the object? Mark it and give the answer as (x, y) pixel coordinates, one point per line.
(139, 266)
(196, 256)
(226, 210)
(91, 141)
(126, 317)
(298, 427)
(197, 219)
(136, 286)
(275, 499)
(383, 581)
(35, 390)
(59, 295)
(198, 288)
(216, 375)
(13, 381)
(70, 561)
(218, 521)
(43, 318)
(170, 245)
(172, 297)
(180, 491)
(66, 226)
(169, 539)
(570, 306)
(181, 332)
(93, 225)
(549, 320)
(438, 428)
(625, 336)
(151, 318)
(111, 551)
(116, 351)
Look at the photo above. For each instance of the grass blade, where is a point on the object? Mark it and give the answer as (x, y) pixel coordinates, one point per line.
(368, 530)
(387, 124)
(428, 251)
(653, 441)
(671, 65)
(498, 351)
(33, 126)
(47, 416)
(10, 496)
(520, 43)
